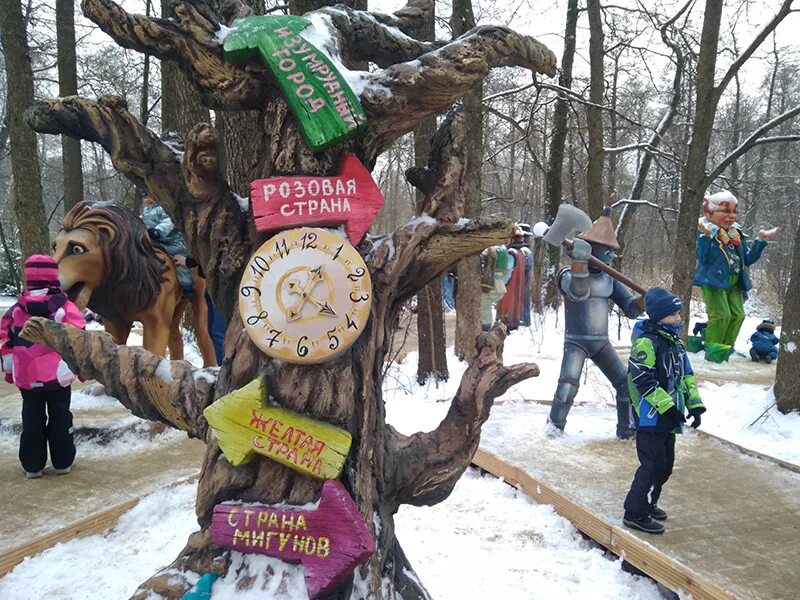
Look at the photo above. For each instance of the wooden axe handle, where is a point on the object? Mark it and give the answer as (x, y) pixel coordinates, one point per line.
(610, 270)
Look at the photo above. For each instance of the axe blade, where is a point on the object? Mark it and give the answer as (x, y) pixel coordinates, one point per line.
(570, 220)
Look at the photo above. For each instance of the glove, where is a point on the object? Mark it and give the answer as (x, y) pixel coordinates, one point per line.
(581, 250)
(153, 233)
(695, 414)
(673, 415)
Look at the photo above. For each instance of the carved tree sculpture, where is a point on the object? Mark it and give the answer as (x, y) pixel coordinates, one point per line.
(415, 79)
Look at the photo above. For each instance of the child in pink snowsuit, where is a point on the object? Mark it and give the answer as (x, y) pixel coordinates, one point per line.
(42, 377)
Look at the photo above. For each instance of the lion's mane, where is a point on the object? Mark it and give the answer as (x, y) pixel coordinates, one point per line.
(135, 270)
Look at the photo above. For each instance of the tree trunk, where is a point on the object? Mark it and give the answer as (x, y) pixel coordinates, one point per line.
(468, 295)
(431, 338)
(384, 469)
(787, 373)
(555, 170)
(144, 103)
(594, 114)
(181, 106)
(68, 86)
(28, 203)
(693, 184)
(695, 181)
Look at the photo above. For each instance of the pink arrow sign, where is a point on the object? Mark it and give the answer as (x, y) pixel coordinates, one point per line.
(329, 542)
(352, 198)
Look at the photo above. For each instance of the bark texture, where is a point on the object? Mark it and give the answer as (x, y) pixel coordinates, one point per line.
(787, 372)
(594, 112)
(550, 255)
(28, 203)
(384, 468)
(468, 315)
(71, 162)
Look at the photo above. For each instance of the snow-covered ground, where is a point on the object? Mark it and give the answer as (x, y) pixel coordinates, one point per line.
(523, 550)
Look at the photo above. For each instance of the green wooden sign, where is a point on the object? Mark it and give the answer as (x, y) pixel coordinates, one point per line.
(245, 425)
(322, 101)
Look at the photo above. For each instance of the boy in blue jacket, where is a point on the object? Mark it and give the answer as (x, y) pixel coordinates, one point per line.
(765, 342)
(663, 388)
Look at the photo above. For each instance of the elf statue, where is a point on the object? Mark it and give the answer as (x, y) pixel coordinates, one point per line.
(587, 291)
(723, 255)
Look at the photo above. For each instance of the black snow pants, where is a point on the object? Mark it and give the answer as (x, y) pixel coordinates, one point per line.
(46, 420)
(656, 452)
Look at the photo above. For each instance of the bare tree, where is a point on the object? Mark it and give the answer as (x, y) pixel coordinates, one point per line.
(68, 86)
(695, 178)
(28, 203)
(787, 373)
(468, 321)
(555, 169)
(595, 191)
(431, 337)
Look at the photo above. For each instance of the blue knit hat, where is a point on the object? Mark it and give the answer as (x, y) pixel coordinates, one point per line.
(660, 303)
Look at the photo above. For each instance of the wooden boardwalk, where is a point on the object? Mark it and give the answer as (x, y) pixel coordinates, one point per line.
(734, 520)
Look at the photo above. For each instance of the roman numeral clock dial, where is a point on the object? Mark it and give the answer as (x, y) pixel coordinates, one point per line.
(305, 295)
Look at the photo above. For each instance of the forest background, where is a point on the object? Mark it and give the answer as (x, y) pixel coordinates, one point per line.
(620, 126)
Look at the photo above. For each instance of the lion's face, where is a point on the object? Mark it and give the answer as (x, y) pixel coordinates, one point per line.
(81, 263)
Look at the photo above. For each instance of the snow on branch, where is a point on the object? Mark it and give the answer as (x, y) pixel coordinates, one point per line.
(401, 96)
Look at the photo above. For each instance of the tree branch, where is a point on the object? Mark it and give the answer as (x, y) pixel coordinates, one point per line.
(188, 185)
(148, 385)
(191, 41)
(782, 13)
(399, 97)
(749, 143)
(422, 469)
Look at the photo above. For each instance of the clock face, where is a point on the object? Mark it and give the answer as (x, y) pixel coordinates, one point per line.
(305, 295)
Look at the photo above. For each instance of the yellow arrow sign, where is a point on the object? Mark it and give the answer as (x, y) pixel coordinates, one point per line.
(244, 425)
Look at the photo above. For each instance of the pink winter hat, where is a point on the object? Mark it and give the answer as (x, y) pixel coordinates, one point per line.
(41, 271)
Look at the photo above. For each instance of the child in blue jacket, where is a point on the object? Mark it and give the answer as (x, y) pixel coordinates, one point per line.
(765, 342)
(663, 388)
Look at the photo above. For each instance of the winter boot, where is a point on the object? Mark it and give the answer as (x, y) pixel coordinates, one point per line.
(63, 471)
(33, 475)
(717, 353)
(658, 514)
(754, 355)
(646, 524)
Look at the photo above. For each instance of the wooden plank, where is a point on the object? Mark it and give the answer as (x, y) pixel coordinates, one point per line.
(245, 425)
(91, 525)
(351, 198)
(640, 554)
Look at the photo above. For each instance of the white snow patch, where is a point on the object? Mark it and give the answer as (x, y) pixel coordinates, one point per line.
(175, 148)
(221, 33)
(164, 370)
(270, 578)
(244, 202)
(321, 34)
(208, 374)
(144, 540)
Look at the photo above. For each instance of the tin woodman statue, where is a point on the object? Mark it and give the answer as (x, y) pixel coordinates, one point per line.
(586, 293)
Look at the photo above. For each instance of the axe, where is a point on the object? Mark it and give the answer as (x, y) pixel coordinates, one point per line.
(569, 222)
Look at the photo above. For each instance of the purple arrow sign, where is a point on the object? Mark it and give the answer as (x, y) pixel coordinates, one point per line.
(329, 542)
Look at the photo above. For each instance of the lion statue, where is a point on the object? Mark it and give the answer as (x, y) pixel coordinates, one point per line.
(106, 261)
